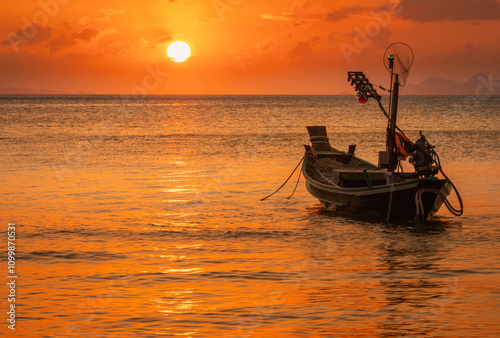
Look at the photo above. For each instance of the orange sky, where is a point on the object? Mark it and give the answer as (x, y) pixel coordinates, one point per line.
(239, 46)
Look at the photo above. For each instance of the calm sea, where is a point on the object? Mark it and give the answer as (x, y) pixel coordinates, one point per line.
(140, 217)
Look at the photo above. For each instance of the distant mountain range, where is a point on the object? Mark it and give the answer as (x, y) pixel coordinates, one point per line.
(479, 84)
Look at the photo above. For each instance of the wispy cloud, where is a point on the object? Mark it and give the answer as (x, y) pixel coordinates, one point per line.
(266, 45)
(443, 10)
(112, 11)
(38, 34)
(274, 17)
(303, 49)
(85, 35)
(344, 13)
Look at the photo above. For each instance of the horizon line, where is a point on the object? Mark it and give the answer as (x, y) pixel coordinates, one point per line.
(145, 95)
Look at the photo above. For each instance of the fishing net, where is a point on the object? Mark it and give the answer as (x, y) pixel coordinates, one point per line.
(402, 59)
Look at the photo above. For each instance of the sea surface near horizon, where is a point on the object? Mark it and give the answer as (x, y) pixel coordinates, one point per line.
(141, 217)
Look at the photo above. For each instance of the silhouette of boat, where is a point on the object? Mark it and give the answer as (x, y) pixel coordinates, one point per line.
(339, 178)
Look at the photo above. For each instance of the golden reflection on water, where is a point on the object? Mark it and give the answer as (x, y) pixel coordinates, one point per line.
(169, 238)
(186, 271)
(312, 272)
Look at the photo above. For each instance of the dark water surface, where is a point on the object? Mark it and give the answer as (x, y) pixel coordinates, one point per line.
(142, 218)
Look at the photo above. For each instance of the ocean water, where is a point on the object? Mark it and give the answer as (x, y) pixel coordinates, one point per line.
(141, 217)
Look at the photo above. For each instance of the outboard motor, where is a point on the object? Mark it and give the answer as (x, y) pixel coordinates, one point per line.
(422, 157)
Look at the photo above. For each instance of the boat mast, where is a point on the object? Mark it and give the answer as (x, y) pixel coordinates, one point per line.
(393, 112)
(404, 55)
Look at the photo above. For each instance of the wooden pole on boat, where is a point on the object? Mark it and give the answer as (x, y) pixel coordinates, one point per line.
(393, 112)
(393, 161)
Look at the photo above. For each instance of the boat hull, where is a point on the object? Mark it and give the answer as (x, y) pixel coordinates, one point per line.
(413, 199)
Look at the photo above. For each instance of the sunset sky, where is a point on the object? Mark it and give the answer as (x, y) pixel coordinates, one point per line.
(239, 46)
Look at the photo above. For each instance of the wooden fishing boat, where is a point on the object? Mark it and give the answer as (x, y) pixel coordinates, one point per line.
(339, 178)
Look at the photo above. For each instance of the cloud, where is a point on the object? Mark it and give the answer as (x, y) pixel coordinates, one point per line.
(344, 13)
(308, 6)
(143, 43)
(469, 52)
(315, 40)
(281, 17)
(299, 24)
(266, 45)
(382, 38)
(67, 25)
(286, 17)
(303, 49)
(106, 33)
(31, 35)
(85, 35)
(469, 49)
(432, 10)
(111, 11)
(207, 20)
(165, 38)
(290, 20)
(99, 74)
(56, 44)
(83, 21)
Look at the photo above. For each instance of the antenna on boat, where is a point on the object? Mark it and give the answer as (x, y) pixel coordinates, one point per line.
(398, 59)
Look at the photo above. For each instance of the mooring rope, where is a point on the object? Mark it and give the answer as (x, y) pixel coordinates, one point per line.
(296, 185)
(389, 207)
(262, 199)
(453, 210)
(419, 204)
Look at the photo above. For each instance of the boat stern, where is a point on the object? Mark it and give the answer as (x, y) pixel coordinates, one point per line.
(440, 198)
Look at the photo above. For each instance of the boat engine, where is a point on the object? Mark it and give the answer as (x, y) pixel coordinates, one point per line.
(422, 157)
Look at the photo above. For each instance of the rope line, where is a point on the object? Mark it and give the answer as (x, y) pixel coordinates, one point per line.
(453, 210)
(389, 207)
(419, 204)
(296, 185)
(265, 198)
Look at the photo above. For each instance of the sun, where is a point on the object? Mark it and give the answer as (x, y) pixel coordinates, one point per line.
(178, 51)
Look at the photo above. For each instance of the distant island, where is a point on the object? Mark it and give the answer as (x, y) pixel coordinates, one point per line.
(479, 84)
